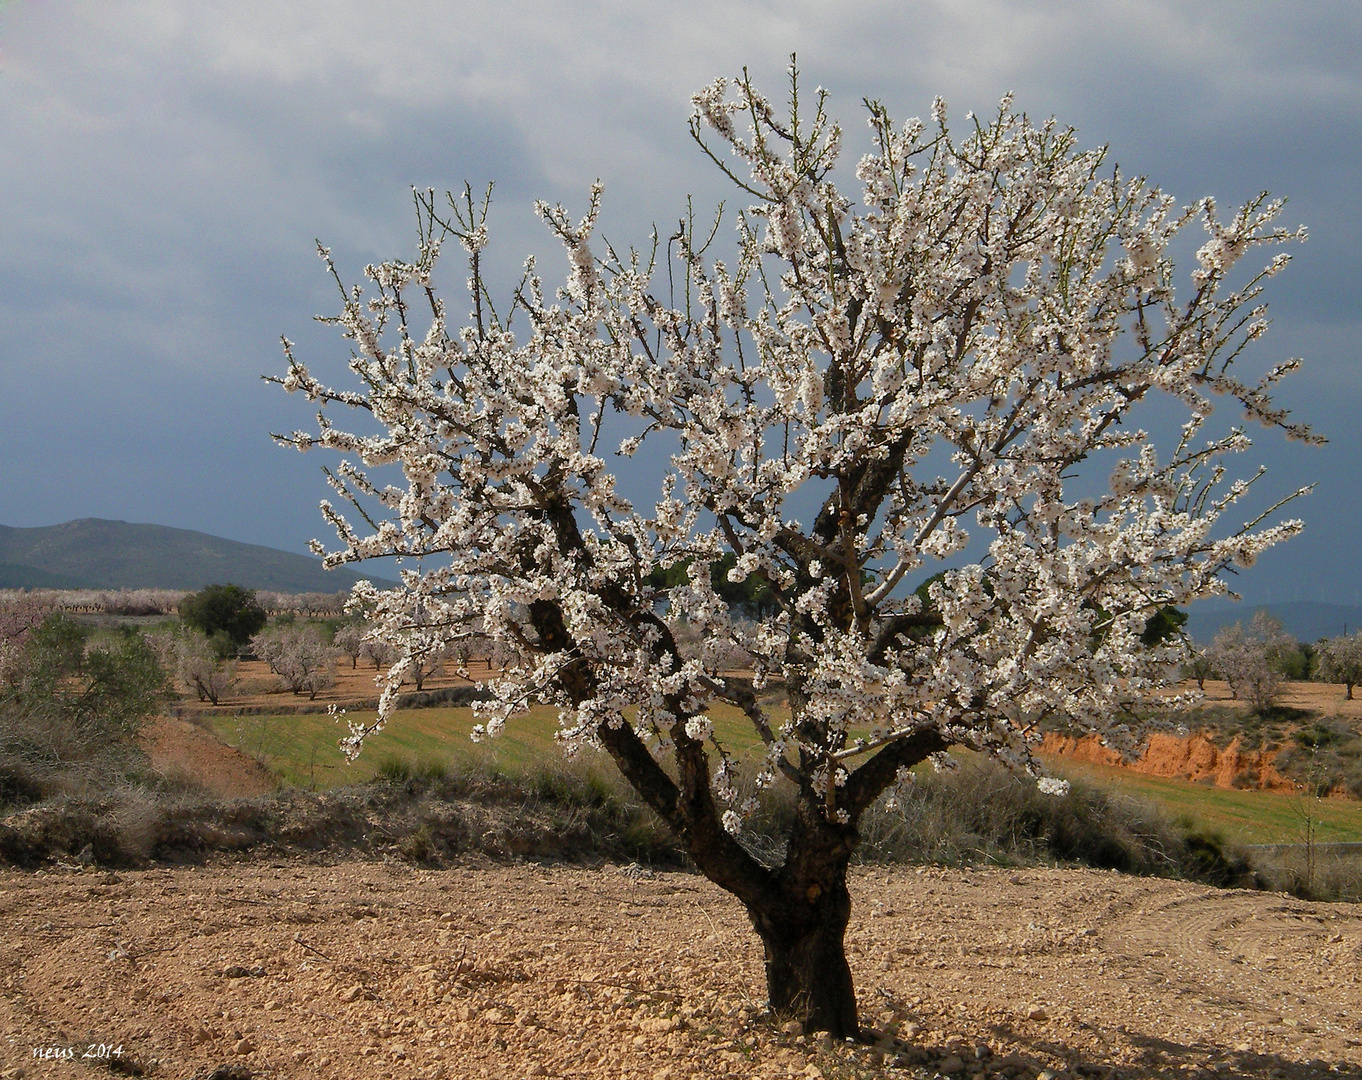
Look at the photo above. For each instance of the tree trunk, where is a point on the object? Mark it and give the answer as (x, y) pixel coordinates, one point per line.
(807, 975)
(802, 924)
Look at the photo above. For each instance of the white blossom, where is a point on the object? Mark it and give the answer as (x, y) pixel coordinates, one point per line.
(868, 393)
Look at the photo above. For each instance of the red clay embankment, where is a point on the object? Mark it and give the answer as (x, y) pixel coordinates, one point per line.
(1178, 757)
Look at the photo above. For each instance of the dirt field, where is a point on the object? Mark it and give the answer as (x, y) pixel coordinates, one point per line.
(178, 748)
(365, 970)
(1327, 699)
(259, 688)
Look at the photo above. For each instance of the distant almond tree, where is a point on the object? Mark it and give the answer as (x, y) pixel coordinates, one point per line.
(1339, 660)
(298, 655)
(202, 668)
(380, 653)
(1254, 661)
(349, 640)
(1200, 667)
(945, 371)
(20, 614)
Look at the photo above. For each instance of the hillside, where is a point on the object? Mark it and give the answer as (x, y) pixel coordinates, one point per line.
(99, 554)
(15, 576)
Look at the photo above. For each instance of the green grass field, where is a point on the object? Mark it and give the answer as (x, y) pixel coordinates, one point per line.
(302, 751)
(1245, 817)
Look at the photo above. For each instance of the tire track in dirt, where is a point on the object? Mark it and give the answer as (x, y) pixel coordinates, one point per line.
(1272, 964)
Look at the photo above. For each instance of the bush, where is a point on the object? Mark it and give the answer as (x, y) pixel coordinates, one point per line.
(414, 775)
(72, 708)
(1310, 875)
(983, 812)
(229, 609)
(97, 690)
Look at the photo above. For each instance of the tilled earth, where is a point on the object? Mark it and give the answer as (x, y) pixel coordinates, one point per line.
(369, 970)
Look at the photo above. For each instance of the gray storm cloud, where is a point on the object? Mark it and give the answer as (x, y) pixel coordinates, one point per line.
(166, 168)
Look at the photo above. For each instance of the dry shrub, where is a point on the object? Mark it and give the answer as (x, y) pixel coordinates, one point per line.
(578, 808)
(983, 812)
(1318, 874)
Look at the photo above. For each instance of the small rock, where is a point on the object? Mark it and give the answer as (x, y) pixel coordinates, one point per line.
(537, 1069)
(1037, 1012)
(243, 1047)
(813, 1072)
(230, 1072)
(352, 994)
(1046, 1074)
(952, 1064)
(792, 1027)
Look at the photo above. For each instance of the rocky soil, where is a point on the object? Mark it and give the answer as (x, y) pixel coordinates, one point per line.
(378, 969)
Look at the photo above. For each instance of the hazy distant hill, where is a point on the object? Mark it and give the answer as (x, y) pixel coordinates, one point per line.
(14, 576)
(1304, 620)
(99, 554)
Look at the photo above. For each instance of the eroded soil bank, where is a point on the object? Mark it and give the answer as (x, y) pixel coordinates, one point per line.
(1178, 757)
(369, 970)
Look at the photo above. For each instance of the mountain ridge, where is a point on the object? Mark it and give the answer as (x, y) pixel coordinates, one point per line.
(99, 553)
(1304, 620)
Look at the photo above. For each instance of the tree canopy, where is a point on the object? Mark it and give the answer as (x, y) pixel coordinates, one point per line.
(228, 609)
(943, 368)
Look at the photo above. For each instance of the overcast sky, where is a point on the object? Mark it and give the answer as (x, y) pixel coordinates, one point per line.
(165, 168)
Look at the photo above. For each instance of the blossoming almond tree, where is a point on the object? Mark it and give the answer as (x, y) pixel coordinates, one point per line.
(925, 376)
(1340, 661)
